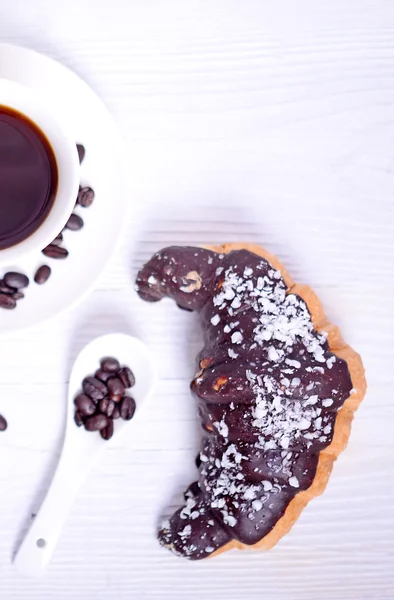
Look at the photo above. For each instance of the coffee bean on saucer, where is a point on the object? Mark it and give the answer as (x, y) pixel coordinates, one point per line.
(6, 289)
(55, 251)
(3, 423)
(81, 152)
(7, 301)
(106, 406)
(78, 419)
(127, 377)
(96, 423)
(85, 405)
(103, 399)
(58, 240)
(115, 388)
(103, 375)
(127, 408)
(108, 431)
(16, 280)
(110, 364)
(75, 223)
(94, 388)
(42, 274)
(85, 197)
(18, 295)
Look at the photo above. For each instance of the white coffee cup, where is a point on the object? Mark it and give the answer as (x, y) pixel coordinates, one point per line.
(18, 97)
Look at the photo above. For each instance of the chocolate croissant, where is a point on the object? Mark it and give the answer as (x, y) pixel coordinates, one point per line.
(276, 390)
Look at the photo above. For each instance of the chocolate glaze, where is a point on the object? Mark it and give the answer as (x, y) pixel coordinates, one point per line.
(268, 391)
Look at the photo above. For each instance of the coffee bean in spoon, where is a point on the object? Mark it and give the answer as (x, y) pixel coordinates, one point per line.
(85, 405)
(55, 251)
(94, 388)
(127, 377)
(7, 301)
(78, 419)
(108, 431)
(127, 408)
(75, 223)
(115, 388)
(81, 152)
(103, 375)
(3, 423)
(110, 408)
(42, 274)
(85, 197)
(106, 406)
(16, 280)
(96, 423)
(109, 364)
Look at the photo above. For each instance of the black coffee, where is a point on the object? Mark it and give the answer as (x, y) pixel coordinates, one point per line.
(28, 177)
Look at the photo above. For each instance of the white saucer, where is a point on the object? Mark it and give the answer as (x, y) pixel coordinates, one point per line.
(83, 113)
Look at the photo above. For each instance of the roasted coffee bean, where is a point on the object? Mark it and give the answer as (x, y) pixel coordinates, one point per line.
(16, 280)
(115, 388)
(110, 364)
(58, 240)
(78, 419)
(94, 388)
(75, 223)
(96, 423)
(103, 375)
(7, 301)
(111, 408)
(108, 432)
(85, 197)
(85, 405)
(18, 295)
(55, 251)
(42, 274)
(81, 152)
(106, 406)
(116, 413)
(6, 289)
(127, 408)
(3, 423)
(127, 377)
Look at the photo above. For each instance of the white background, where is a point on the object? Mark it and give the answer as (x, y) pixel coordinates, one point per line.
(247, 119)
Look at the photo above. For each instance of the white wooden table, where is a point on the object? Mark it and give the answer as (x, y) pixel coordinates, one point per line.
(242, 120)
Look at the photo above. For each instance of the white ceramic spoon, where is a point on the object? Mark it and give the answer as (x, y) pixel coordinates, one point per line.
(82, 448)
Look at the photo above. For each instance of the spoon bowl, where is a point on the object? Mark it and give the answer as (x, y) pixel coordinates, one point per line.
(130, 352)
(82, 448)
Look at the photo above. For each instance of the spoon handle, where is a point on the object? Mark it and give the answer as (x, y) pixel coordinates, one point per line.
(40, 542)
